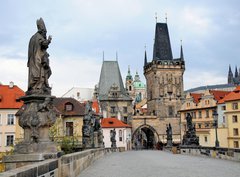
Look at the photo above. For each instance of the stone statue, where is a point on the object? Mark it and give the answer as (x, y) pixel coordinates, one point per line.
(91, 129)
(37, 115)
(113, 138)
(169, 135)
(190, 138)
(38, 61)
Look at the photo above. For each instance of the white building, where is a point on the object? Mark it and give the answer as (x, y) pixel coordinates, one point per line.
(123, 133)
(80, 94)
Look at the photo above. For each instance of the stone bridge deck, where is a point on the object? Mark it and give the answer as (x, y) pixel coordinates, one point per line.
(160, 164)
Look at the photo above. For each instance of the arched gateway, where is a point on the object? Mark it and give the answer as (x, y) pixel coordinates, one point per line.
(145, 137)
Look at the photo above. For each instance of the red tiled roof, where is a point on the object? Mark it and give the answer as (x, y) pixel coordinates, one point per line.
(234, 95)
(218, 95)
(196, 97)
(78, 108)
(9, 96)
(113, 123)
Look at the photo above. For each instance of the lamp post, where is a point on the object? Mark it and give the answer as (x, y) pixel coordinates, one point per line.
(215, 118)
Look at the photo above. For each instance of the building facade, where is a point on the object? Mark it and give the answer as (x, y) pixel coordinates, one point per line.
(10, 131)
(113, 98)
(201, 107)
(232, 114)
(164, 82)
(69, 123)
(80, 94)
(123, 133)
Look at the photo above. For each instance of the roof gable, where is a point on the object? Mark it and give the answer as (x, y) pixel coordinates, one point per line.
(113, 123)
(9, 97)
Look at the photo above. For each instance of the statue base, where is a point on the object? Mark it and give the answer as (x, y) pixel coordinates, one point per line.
(19, 160)
(40, 147)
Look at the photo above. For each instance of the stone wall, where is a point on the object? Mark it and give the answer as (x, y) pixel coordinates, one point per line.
(220, 153)
(65, 166)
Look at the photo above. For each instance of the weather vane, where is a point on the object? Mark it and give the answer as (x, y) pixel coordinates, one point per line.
(156, 16)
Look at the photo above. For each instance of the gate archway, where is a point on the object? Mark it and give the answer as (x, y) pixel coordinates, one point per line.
(144, 137)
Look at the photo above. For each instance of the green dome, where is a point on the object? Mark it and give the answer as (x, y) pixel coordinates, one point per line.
(138, 85)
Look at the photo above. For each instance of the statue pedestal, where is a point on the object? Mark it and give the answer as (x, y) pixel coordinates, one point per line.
(19, 160)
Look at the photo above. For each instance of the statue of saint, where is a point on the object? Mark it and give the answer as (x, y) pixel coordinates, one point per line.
(38, 61)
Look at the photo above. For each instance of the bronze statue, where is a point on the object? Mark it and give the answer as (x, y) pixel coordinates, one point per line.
(38, 61)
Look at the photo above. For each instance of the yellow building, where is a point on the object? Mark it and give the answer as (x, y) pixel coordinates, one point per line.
(70, 120)
(232, 114)
(9, 105)
(201, 107)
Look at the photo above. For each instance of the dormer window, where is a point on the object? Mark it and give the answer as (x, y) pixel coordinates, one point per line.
(68, 106)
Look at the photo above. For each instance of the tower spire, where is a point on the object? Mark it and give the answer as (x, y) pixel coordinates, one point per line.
(230, 75)
(236, 72)
(103, 55)
(116, 56)
(166, 17)
(181, 52)
(156, 16)
(145, 57)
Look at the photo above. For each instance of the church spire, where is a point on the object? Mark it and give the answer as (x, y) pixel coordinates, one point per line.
(145, 57)
(230, 76)
(181, 52)
(236, 72)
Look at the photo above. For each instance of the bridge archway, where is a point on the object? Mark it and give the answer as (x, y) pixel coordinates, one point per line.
(145, 137)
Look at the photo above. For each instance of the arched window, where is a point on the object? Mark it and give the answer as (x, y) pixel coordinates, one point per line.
(120, 135)
(130, 88)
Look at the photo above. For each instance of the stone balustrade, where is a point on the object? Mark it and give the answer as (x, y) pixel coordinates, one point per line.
(65, 166)
(220, 153)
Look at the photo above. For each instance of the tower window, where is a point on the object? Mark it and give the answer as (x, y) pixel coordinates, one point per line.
(130, 88)
(170, 111)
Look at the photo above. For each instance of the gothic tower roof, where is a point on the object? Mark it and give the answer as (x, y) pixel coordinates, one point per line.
(145, 58)
(110, 75)
(236, 72)
(181, 54)
(162, 47)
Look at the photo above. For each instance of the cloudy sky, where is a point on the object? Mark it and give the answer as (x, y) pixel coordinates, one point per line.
(83, 29)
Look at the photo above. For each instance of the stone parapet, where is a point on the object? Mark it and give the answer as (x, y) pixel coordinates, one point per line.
(65, 166)
(220, 153)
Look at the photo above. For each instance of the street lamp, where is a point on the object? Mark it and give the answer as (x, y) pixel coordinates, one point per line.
(215, 118)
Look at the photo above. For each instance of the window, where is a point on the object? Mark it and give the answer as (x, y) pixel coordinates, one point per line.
(206, 125)
(235, 132)
(69, 128)
(223, 108)
(224, 119)
(68, 107)
(234, 106)
(234, 118)
(9, 140)
(10, 119)
(125, 109)
(199, 125)
(206, 102)
(194, 115)
(130, 88)
(113, 110)
(78, 94)
(125, 119)
(170, 111)
(120, 135)
(205, 139)
(199, 114)
(236, 144)
(188, 104)
(207, 113)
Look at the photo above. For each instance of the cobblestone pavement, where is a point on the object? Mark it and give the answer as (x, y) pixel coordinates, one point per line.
(160, 164)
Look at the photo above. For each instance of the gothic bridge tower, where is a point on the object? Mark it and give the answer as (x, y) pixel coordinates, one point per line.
(164, 77)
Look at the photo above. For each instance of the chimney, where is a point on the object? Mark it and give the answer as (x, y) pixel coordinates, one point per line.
(11, 84)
